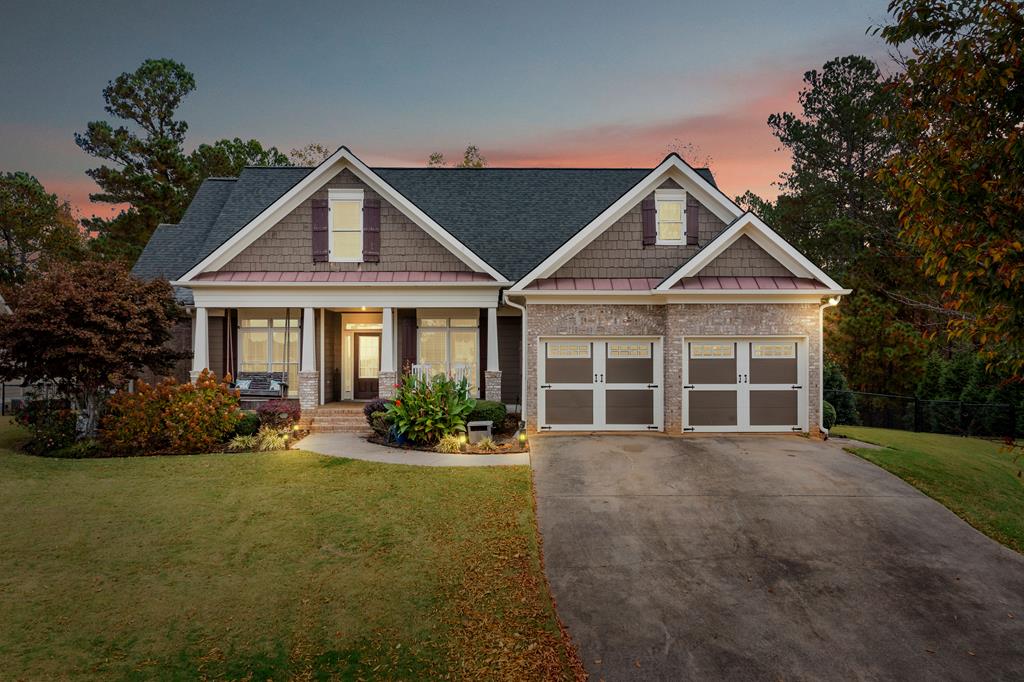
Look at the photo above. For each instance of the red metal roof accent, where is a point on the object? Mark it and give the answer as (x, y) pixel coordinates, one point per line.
(747, 283)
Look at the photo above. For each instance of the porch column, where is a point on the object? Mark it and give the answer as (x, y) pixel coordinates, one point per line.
(492, 377)
(387, 377)
(200, 344)
(309, 377)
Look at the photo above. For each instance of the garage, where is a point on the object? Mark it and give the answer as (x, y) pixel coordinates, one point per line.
(745, 384)
(600, 384)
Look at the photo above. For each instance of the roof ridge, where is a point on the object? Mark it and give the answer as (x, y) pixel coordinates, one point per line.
(515, 168)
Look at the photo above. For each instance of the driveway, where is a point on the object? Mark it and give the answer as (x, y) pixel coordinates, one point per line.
(767, 558)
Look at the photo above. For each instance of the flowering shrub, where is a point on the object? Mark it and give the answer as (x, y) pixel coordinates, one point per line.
(171, 418)
(426, 410)
(279, 414)
(51, 423)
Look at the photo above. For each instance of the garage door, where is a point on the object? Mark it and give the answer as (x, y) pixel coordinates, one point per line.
(590, 384)
(734, 384)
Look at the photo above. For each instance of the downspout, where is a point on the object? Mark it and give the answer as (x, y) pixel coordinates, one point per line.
(524, 372)
(830, 303)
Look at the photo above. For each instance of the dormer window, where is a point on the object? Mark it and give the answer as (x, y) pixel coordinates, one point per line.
(345, 218)
(671, 216)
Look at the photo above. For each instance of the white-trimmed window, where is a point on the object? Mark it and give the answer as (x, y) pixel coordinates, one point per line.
(345, 223)
(704, 350)
(773, 349)
(671, 215)
(268, 341)
(449, 343)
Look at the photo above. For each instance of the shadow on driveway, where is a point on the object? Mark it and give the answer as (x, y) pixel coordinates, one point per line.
(767, 558)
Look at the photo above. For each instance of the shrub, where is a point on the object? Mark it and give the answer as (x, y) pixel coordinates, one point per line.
(488, 411)
(374, 406)
(267, 439)
(279, 414)
(51, 424)
(380, 422)
(248, 425)
(828, 416)
(83, 449)
(427, 410)
(244, 443)
(486, 444)
(450, 444)
(171, 418)
(838, 392)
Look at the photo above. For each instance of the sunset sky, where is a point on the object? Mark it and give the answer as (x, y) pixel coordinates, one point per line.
(532, 84)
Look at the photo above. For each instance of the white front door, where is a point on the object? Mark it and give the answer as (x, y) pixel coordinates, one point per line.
(745, 384)
(600, 384)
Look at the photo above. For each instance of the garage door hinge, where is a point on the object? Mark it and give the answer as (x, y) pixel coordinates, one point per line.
(545, 428)
(652, 428)
(652, 385)
(545, 385)
(690, 386)
(689, 428)
(796, 428)
(798, 387)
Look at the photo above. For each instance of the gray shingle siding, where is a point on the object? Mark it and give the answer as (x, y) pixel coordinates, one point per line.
(744, 258)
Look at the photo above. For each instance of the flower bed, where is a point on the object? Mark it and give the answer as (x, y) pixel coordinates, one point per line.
(504, 444)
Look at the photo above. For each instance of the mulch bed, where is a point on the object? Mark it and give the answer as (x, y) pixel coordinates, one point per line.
(505, 443)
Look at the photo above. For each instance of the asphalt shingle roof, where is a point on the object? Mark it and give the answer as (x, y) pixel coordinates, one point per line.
(512, 218)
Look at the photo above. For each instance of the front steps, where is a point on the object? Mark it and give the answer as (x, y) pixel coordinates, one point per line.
(338, 418)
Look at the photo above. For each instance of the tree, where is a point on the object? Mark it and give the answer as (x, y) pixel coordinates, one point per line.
(471, 158)
(88, 328)
(959, 176)
(35, 227)
(312, 154)
(149, 169)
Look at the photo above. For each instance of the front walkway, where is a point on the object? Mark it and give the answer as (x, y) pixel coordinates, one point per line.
(354, 446)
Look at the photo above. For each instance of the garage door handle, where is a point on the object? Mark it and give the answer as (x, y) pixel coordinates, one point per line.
(598, 380)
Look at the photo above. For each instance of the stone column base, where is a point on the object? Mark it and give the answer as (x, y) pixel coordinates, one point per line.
(309, 390)
(492, 391)
(386, 384)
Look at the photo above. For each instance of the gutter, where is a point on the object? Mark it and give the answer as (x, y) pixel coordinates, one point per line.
(525, 366)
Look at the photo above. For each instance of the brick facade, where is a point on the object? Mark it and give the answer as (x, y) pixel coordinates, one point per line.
(673, 322)
(288, 246)
(386, 384)
(309, 390)
(619, 251)
(492, 385)
(744, 258)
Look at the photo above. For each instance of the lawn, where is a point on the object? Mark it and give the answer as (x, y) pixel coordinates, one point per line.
(270, 566)
(977, 479)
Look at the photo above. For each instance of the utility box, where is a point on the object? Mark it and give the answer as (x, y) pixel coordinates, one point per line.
(478, 431)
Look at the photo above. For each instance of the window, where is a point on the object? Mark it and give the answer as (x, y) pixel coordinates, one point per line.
(449, 345)
(671, 211)
(268, 341)
(629, 350)
(345, 220)
(777, 349)
(562, 349)
(703, 351)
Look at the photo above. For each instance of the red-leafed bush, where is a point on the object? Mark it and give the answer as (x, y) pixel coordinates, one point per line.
(171, 418)
(279, 414)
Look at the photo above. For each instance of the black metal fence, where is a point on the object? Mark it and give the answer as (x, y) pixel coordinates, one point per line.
(908, 413)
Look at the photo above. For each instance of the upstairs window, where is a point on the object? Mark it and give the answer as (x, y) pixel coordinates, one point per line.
(345, 220)
(671, 212)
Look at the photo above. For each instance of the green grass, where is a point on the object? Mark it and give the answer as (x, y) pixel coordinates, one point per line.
(270, 566)
(976, 479)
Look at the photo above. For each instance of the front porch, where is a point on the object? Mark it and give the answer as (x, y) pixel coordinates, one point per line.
(344, 354)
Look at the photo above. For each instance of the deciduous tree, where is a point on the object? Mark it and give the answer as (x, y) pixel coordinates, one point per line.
(35, 227)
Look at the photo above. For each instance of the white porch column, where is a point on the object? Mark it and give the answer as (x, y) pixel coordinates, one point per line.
(388, 376)
(200, 344)
(309, 378)
(492, 377)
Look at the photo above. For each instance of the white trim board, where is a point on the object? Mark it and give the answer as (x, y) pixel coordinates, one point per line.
(674, 168)
(768, 239)
(331, 166)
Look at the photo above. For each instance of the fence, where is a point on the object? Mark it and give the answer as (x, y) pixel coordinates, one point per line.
(908, 413)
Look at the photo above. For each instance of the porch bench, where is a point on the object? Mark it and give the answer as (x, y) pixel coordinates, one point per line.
(258, 386)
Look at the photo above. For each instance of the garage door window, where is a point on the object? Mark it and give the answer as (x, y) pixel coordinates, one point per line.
(624, 351)
(568, 350)
(764, 350)
(712, 350)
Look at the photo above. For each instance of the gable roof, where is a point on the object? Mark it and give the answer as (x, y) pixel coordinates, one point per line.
(512, 218)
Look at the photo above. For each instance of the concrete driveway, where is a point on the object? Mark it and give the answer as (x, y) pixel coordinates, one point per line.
(767, 558)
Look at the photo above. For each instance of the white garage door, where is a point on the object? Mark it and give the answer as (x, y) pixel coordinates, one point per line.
(752, 384)
(591, 384)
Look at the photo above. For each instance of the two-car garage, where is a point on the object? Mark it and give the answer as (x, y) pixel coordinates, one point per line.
(727, 384)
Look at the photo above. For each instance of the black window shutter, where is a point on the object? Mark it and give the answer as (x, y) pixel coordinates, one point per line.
(648, 213)
(371, 230)
(319, 230)
(692, 220)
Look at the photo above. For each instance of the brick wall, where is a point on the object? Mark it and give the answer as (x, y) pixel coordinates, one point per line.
(674, 322)
(744, 258)
(619, 250)
(288, 246)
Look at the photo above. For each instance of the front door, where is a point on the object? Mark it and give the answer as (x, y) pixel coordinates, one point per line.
(366, 361)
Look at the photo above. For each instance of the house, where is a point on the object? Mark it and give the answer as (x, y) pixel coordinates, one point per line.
(597, 299)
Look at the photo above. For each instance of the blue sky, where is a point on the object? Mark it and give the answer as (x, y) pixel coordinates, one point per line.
(596, 83)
